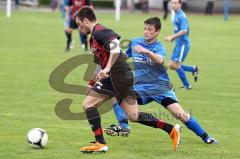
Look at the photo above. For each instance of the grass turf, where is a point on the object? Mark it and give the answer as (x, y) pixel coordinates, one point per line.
(31, 46)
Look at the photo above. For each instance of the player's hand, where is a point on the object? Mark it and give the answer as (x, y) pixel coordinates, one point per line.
(169, 39)
(89, 87)
(139, 49)
(103, 74)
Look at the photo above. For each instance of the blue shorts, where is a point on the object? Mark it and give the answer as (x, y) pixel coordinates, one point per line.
(143, 99)
(180, 52)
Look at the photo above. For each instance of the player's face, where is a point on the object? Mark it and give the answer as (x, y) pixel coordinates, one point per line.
(175, 5)
(150, 32)
(82, 26)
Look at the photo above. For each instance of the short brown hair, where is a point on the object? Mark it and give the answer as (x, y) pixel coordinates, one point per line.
(155, 21)
(86, 12)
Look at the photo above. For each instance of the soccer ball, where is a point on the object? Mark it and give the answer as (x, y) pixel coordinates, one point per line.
(37, 138)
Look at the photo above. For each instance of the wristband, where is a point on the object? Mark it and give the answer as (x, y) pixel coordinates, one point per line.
(91, 83)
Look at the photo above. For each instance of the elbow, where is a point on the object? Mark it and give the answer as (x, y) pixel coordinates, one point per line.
(161, 62)
(184, 32)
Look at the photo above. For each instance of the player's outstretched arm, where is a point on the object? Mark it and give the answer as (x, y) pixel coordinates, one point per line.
(171, 38)
(154, 57)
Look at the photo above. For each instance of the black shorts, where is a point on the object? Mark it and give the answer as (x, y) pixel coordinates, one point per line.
(73, 24)
(119, 86)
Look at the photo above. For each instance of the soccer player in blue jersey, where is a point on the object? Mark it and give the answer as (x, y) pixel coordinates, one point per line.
(181, 37)
(152, 82)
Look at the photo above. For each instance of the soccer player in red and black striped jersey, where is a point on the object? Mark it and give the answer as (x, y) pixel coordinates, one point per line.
(113, 78)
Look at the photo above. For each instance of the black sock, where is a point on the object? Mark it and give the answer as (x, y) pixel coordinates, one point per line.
(86, 45)
(150, 120)
(95, 123)
(204, 136)
(85, 42)
(69, 39)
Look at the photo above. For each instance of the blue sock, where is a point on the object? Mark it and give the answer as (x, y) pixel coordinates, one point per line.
(183, 76)
(121, 116)
(188, 68)
(193, 125)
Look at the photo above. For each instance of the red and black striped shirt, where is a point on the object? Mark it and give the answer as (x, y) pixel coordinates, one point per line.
(100, 44)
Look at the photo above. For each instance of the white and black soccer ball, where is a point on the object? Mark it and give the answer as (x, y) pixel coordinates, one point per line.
(37, 138)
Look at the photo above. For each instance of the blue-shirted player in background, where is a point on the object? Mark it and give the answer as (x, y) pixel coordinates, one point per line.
(181, 33)
(152, 82)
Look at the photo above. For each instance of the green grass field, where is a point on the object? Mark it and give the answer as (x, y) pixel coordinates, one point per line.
(31, 47)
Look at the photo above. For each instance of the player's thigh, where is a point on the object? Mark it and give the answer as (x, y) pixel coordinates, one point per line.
(93, 99)
(180, 52)
(170, 102)
(175, 53)
(131, 109)
(73, 25)
(67, 22)
(67, 25)
(166, 98)
(184, 52)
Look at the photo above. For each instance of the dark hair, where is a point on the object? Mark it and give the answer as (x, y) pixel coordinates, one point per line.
(180, 1)
(155, 21)
(86, 12)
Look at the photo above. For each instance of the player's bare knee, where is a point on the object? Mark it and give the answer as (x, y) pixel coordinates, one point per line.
(184, 117)
(170, 66)
(69, 30)
(86, 105)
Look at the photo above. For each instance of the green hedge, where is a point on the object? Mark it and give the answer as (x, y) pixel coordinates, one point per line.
(44, 2)
(105, 4)
(96, 3)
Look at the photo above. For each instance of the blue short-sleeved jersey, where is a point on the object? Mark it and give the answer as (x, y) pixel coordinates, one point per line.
(151, 79)
(180, 23)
